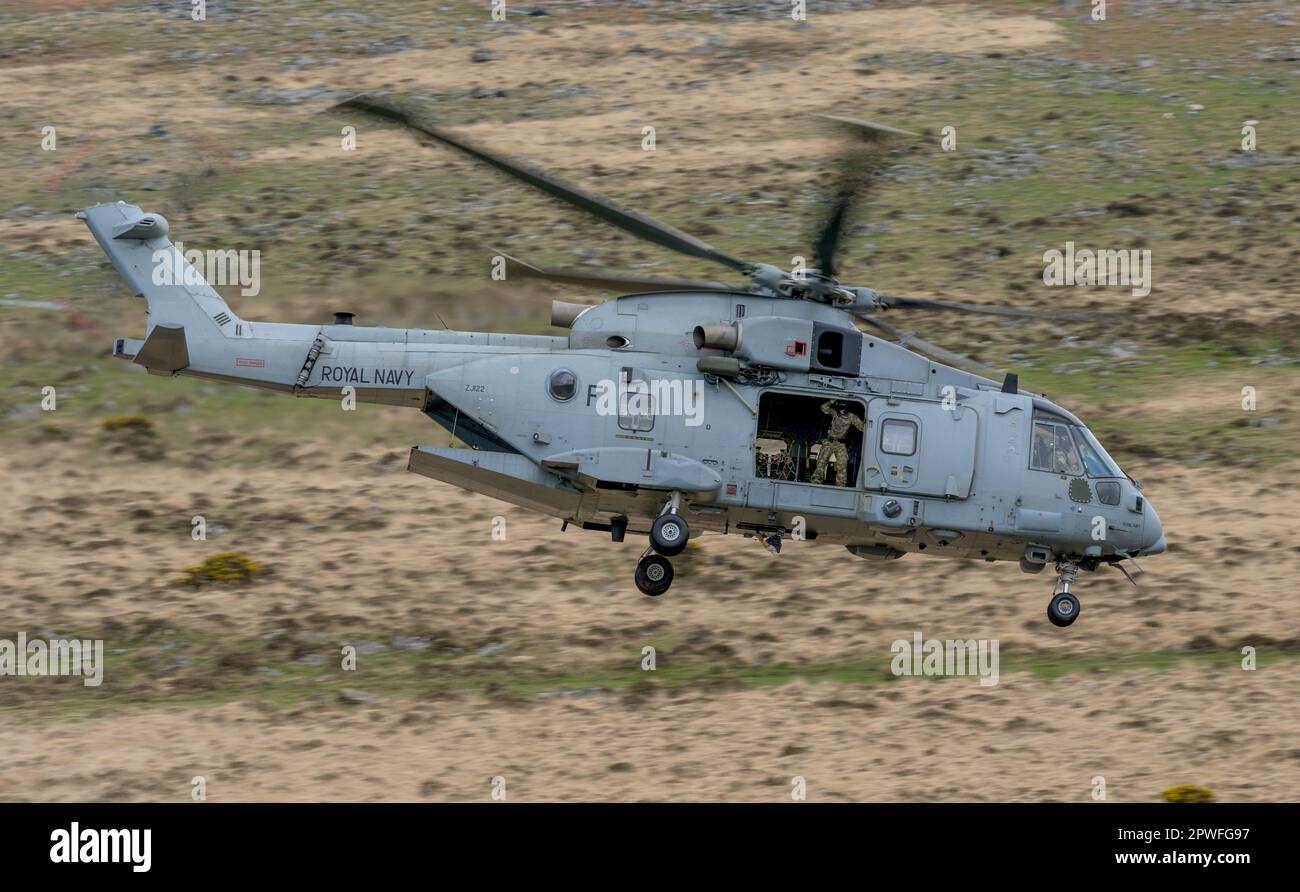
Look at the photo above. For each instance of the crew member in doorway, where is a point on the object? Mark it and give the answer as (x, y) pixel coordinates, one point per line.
(832, 445)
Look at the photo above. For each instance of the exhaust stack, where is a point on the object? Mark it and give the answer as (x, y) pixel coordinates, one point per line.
(717, 337)
(563, 313)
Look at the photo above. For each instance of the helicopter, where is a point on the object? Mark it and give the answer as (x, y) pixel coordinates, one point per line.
(684, 406)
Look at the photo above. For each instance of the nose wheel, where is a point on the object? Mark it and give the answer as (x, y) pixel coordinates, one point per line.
(1063, 609)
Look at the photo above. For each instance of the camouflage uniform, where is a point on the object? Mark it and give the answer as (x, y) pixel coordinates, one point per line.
(833, 444)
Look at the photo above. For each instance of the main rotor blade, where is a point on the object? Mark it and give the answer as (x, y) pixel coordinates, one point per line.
(869, 129)
(634, 222)
(623, 284)
(920, 303)
(828, 240)
(860, 168)
(930, 348)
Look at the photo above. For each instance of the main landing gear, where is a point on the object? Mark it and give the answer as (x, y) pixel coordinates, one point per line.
(1063, 609)
(654, 573)
(668, 536)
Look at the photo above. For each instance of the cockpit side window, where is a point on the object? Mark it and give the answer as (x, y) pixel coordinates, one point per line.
(1053, 450)
(1067, 457)
(1058, 443)
(1042, 453)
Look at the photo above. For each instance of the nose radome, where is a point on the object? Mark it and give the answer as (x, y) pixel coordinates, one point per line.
(1153, 532)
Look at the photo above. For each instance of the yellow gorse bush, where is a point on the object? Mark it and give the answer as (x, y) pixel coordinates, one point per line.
(223, 569)
(128, 423)
(1188, 793)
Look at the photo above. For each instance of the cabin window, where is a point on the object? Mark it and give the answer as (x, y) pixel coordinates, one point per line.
(562, 384)
(636, 421)
(636, 409)
(898, 437)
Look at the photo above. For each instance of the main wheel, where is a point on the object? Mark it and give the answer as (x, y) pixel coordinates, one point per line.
(668, 534)
(654, 573)
(1063, 609)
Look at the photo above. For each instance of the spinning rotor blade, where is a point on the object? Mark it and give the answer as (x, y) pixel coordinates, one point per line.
(829, 238)
(630, 221)
(860, 169)
(623, 284)
(930, 348)
(917, 303)
(870, 129)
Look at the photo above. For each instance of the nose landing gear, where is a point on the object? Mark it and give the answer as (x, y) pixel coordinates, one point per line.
(1063, 609)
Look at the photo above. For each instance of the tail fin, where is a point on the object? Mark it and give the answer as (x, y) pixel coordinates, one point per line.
(155, 269)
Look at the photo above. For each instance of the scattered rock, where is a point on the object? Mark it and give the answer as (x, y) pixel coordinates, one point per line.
(579, 692)
(354, 697)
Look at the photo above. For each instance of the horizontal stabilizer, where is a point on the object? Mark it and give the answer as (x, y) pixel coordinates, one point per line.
(165, 349)
(142, 226)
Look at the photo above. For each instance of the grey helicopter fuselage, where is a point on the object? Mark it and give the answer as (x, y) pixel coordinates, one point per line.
(946, 462)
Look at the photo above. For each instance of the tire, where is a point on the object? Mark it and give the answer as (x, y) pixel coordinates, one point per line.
(669, 534)
(654, 573)
(1063, 609)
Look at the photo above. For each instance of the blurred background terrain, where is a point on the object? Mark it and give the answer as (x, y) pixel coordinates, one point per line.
(522, 658)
